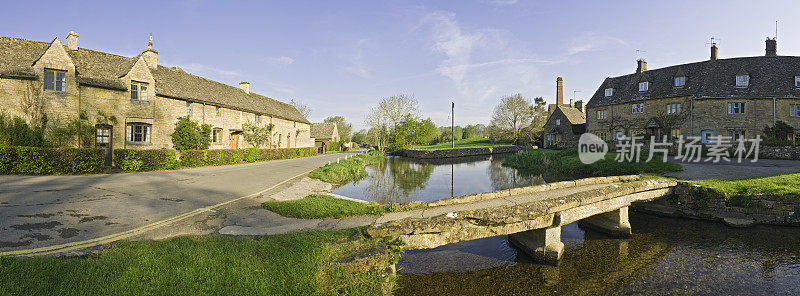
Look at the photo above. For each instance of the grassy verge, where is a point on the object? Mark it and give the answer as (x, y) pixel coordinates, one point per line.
(465, 143)
(565, 165)
(306, 263)
(323, 206)
(782, 184)
(347, 170)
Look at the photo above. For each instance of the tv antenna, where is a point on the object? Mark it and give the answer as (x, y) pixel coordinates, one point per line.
(639, 53)
(714, 41)
(776, 30)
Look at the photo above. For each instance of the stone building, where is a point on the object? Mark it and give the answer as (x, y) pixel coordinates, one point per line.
(63, 80)
(323, 133)
(566, 122)
(730, 97)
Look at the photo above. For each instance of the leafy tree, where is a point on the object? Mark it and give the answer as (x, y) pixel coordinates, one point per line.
(389, 112)
(411, 131)
(778, 135)
(360, 137)
(189, 135)
(17, 132)
(341, 125)
(511, 115)
(258, 135)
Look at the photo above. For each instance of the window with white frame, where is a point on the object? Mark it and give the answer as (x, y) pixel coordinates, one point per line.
(644, 86)
(637, 108)
(188, 108)
(680, 81)
(736, 108)
(55, 80)
(137, 132)
(216, 110)
(558, 121)
(138, 91)
(609, 92)
(601, 114)
(736, 133)
(258, 117)
(742, 80)
(674, 108)
(216, 135)
(797, 81)
(794, 110)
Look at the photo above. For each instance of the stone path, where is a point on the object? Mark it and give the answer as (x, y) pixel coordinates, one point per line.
(734, 170)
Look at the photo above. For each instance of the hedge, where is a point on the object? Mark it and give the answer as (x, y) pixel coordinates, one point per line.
(145, 160)
(195, 158)
(15, 160)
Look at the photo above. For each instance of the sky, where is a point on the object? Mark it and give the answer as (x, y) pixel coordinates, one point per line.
(341, 57)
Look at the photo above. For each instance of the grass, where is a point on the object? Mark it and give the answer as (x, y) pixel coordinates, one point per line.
(347, 170)
(782, 184)
(305, 263)
(465, 143)
(565, 165)
(333, 151)
(323, 206)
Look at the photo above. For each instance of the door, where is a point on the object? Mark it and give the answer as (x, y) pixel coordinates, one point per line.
(707, 137)
(234, 140)
(103, 139)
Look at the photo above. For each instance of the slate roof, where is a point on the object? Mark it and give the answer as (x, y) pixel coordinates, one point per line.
(572, 114)
(769, 77)
(323, 130)
(103, 70)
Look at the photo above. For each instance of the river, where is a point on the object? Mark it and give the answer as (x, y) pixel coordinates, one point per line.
(664, 256)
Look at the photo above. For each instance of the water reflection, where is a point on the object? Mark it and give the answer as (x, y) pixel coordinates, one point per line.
(400, 179)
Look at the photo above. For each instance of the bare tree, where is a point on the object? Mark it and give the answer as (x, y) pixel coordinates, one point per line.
(304, 109)
(513, 114)
(390, 111)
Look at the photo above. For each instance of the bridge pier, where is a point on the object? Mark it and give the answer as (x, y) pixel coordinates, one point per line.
(542, 245)
(614, 223)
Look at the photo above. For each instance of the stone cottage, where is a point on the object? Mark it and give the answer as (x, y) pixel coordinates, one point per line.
(566, 122)
(322, 133)
(62, 80)
(734, 97)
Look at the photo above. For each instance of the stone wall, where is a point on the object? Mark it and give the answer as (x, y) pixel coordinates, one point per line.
(788, 152)
(460, 152)
(700, 202)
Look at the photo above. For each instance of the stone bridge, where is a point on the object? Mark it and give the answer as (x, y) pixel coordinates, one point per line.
(531, 216)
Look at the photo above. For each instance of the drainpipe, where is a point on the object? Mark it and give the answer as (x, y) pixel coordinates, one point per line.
(691, 116)
(774, 105)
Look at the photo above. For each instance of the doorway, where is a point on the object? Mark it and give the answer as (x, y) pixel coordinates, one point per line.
(103, 140)
(235, 140)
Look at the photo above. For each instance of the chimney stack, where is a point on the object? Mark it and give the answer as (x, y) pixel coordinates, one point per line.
(72, 40)
(772, 47)
(641, 66)
(245, 86)
(579, 105)
(714, 52)
(150, 55)
(559, 91)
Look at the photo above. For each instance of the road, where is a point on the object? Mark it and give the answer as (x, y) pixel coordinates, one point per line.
(734, 170)
(38, 212)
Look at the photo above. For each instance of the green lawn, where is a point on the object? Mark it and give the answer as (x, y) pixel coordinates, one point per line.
(783, 184)
(305, 263)
(347, 170)
(323, 206)
(565, 165)
(465, 143)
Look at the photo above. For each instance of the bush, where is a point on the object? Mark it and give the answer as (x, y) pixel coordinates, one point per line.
(46, 161)
(189, 135)
(193, 158)
(251, 155)
(17, 132)
(156, 159)
(223, 156)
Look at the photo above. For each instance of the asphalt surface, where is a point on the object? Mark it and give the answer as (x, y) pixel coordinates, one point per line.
(41, 211)
(733, 169)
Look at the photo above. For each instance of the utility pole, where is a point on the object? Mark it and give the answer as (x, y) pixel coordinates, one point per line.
(453, 123)
(350, 143)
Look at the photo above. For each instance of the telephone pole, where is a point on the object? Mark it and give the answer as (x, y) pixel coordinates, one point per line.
(453, 123)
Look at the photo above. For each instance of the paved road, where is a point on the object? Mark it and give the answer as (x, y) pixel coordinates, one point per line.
(734, 170)
(41, 211)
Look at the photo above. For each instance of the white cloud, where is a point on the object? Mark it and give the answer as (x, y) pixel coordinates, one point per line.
(281, 60)
(592, 42)
(203, 70)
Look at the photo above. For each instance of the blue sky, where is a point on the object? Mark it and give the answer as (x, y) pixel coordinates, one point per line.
(341, 57)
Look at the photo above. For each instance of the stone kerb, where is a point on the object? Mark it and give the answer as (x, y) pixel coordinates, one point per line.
(459, 152)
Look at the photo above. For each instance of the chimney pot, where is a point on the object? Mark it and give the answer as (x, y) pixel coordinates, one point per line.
(150, 55)
(245, 86)
(72, 40)
(714, 52)
(641, 66)
(772, 47)
(559, 91)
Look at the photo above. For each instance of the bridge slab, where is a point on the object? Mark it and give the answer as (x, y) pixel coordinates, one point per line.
(543, 245)
(614, 223)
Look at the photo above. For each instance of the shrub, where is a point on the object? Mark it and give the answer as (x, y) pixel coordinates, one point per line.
(17, 132)
(223, 156)
(189, 135)
(193, 158)
(155, 159)
(251, 154)
(44, 161)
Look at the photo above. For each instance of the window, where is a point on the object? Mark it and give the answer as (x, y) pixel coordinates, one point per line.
(188, 108)
(601, 114)
(216, 110)
(735, 133)
(674, 108)
(102, 133)
(794, 110)
(680, 81)
(216, 135)
(797, 81)
(643, 86)
(258, 118)
(55, 80)
(558, 121)
(707, 137)
(797, 138)
(137, 132)
(609, 92)
(675, 133)
(637, 132)
(736, 108)
(742, 80)
(602, 135)
(637, 108)
(139, 91)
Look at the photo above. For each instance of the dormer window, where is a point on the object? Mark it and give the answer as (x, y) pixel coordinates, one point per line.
(742, 81)
(609, 92)
(558, 121)
(55, 80)
(680, 81)
(643, 86)
(797, 81)
(138, 91)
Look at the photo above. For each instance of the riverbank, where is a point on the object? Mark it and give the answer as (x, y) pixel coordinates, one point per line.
(459, 152)
(566, 165)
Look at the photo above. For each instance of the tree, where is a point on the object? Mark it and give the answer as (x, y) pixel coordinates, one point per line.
(540, 115)
(446, 133)
(390, 111)
(411, 131)
(341, 125)
(513, 113)
(189, 135)
(304, 109)
(360, 137)
(257, 135)
(778, 135)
